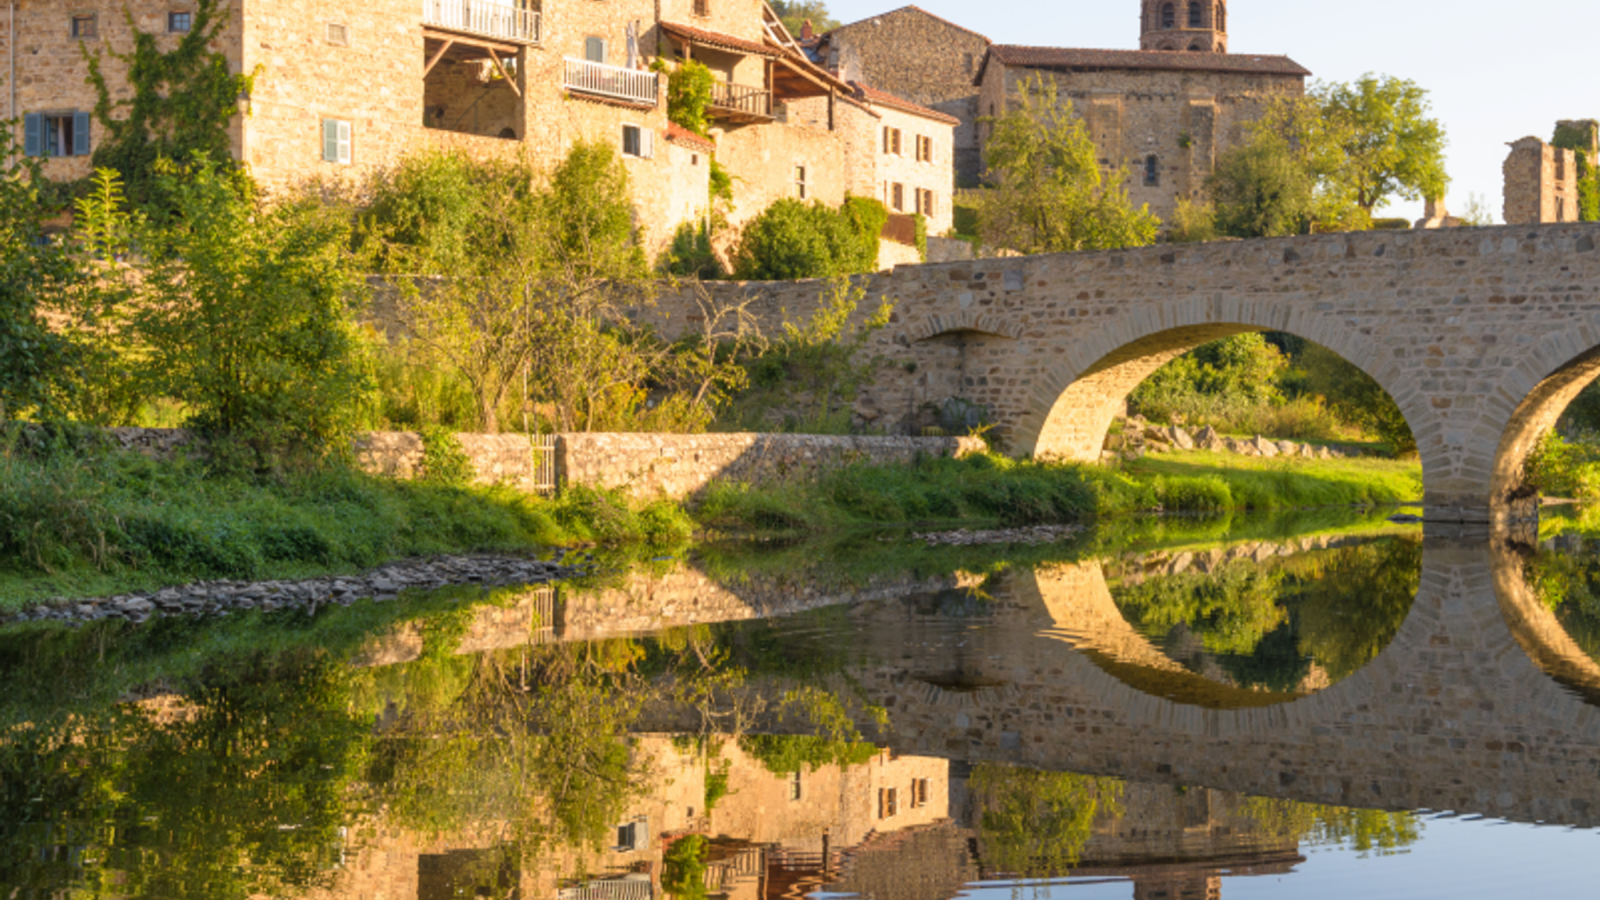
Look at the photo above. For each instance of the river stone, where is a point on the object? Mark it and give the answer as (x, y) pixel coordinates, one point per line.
(1263, 447)
(1180, 438)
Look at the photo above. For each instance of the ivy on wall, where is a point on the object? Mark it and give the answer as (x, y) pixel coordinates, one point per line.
(181, 104)
(1580, 140)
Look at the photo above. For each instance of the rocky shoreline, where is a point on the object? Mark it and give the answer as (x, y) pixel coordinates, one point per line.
(1138, 437)
(383, 583)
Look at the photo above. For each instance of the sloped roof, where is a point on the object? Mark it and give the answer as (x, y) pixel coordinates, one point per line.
(884, 98)
(911, 8)
(718, 40)
(681, 135)
(1158, 60)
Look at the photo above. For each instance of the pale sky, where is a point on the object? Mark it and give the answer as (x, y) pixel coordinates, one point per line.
(1496, 72)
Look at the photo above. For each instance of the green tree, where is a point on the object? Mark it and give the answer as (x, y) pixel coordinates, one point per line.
(181, 106)
(689, 87)
(1049, 194)
(33, 268)
(1035, 824)
(1392, 148)
(247, 313)
(1261, 190)
(795, 13)
(792, 240)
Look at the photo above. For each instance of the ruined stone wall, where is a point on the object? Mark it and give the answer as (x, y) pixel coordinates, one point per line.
(1186, 120)
(51, 70)
(925, 59)
(1541, 184)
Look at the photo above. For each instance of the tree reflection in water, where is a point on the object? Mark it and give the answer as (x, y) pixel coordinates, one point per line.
(1284, 625)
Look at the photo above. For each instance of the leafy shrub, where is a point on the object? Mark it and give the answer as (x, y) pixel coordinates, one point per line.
(444, 461)
(689, 86)
(690, 253)
(791, 240)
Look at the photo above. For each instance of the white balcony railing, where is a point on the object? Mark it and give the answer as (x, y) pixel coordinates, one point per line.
(610, 81)
(486, 18)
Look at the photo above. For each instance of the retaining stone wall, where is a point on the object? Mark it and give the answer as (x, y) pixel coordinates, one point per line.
(646, 465)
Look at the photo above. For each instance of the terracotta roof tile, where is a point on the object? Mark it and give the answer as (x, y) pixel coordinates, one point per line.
(681, 135)
(1183, 61)
(718, 40)
(883, 98)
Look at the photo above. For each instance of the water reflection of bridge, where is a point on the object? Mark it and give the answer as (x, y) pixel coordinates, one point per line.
(1457, 712)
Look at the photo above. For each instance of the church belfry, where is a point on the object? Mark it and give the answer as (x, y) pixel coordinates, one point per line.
(1200, 26)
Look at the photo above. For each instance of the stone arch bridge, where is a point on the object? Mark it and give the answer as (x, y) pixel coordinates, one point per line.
(1481, 335)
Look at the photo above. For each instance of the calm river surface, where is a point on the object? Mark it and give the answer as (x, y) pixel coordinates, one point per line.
(1328, 705)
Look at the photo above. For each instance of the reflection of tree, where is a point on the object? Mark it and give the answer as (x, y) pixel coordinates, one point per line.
(1034, 823)
(1364, 830)
(683, 868)
(1267, 622)
(239, 791)
(1566, 584)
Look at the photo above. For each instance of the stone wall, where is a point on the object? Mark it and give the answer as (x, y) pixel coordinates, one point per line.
(1185, 119)
(1541, 184)
(922, 58)
(674, 465)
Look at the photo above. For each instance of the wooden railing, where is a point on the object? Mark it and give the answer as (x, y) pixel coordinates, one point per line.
(485, 18)
(610, 81)
(738, 98)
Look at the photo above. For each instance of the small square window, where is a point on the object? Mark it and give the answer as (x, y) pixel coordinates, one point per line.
(637, 142)
(702, 8)
(800, 184)
(794, 787)
(338, 34)
(897, 197)
(85, 25)
(180, 22)
(336, 142)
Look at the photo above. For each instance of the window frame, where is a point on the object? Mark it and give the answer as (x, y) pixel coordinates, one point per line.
(1152, 171)
(1197, 15)
(794, 787)
(83, 15)
(172, 15)
(594, 40)
(70, 130)
(700, 9)
(343, 144)
(341, 29)
(802, 180)
(897, 196)
(1168, 16)
(644, 143)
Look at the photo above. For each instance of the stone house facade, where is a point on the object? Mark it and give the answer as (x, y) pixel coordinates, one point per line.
(1541, 183)
(918, 56)
(345, 90)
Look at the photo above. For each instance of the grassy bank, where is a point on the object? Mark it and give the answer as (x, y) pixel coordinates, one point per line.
(77, 522)
(995, 490)
(84, 522)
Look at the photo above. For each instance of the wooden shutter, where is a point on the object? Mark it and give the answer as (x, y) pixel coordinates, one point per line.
(343, 134)
(80, 134)
(330, 141)
(886, 139)
(33, 135)
(647, 143)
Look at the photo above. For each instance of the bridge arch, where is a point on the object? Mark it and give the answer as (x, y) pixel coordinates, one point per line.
(1076, 398)
(1532, 397)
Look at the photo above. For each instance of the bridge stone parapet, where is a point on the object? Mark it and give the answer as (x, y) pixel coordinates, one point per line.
(1481, 335)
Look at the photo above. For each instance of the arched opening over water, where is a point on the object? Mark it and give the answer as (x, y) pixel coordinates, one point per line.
(1556, 395)
(1081, 414)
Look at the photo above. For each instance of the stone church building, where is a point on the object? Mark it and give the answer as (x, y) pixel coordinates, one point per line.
(1165, 111)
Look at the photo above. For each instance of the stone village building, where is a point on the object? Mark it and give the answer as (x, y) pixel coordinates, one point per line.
(345, 89)
(1165, 111)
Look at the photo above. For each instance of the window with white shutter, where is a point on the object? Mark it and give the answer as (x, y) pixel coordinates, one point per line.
(336, 141)
(638, 142)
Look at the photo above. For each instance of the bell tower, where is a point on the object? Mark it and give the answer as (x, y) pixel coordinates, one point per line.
(1199, 26)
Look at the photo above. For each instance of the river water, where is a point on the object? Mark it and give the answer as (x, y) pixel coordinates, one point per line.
(1320, 705)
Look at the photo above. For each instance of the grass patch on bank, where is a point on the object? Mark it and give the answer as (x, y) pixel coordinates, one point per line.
(85, 522)
(998, 491)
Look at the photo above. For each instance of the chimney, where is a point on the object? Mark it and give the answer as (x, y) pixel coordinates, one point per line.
(806, 32)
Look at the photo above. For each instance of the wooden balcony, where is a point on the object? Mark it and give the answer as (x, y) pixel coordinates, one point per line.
(740, 104)
(615, 82)
(498, 21)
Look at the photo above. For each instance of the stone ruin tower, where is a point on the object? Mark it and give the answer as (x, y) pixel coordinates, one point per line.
(1194, 25)
(1541, 184)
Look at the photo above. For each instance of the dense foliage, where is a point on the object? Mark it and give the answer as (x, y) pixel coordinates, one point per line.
(1578, 137)
(791, 240)
(1049, 194)
(32, 270)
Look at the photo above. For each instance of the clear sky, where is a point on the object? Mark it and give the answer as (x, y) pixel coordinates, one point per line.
(1496, 72)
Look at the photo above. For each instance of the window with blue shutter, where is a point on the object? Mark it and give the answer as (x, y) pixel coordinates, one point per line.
(32, 135)
(80, 134)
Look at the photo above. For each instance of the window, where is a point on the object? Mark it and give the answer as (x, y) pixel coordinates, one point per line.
(891, 141)
(1195, 48)
(924, 148)
(1196, 17)
(702, 8)
(897, 197)
(800, 188)
(55, 134)
(794, 787)
(338, 35)
(633, 835)
(84, 25)
(888, 802)
(1222, 18)
(1169, 16)
(638, 142)
(925, 202)
(594, 50)
(180, 22)
(919, 793)
(1152, 170)
(336, 141)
